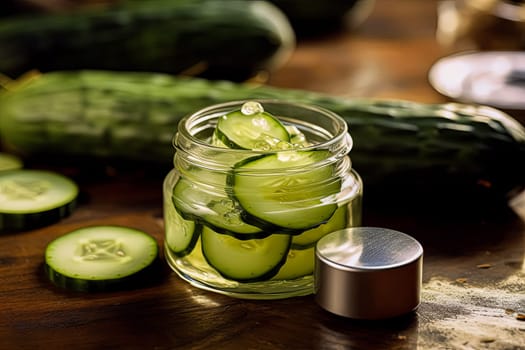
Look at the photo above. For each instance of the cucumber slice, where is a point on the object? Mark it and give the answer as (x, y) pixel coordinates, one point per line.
(300, 200)
(251, 130)
(310, 237)
(214, 141)
(100, 258)
(245, 260)
(34, 198)
(212, 207)
(297, 138)
(181, 234)
(299, 263)
(9, 162)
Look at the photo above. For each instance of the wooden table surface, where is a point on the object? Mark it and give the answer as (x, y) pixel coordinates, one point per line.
(474, 269)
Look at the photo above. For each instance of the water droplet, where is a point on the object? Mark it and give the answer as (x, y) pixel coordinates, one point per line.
(247, 245)
(262, 146)
(283, 145)
(251, 108)
(232, 218)
(227, 204)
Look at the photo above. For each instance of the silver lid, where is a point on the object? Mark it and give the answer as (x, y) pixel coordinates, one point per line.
(368, 273)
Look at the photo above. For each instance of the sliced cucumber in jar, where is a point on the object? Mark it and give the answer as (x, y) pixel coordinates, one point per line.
(309, 238)
(215, 141)
(294, 198)
(34, 198)
(251, 128)
(245, 260)
(100, 258)
(212, 207)
(298, 263)
(297, 138)
(181, 235)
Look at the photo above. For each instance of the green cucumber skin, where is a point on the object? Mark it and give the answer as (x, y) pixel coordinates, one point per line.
(154, 35)
(456, 152)
(21, 222)
(149, 275)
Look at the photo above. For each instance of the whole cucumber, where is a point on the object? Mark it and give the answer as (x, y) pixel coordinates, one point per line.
(228, 39)
(452, 153)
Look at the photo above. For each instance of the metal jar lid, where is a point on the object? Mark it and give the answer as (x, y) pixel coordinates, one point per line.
(368, 273)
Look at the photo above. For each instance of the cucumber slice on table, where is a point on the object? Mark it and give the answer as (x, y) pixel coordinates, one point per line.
(33, 198)
(245, 260)
(293, 198)
(9, 162)
(100, 258)
(252, 129)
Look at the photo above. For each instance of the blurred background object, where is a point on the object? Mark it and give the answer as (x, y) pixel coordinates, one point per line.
(216, 39)
(321, 17)
(485, 41)
(481, 24)
(227, 39)
(20, 7)
(307, 19)
(494, 78)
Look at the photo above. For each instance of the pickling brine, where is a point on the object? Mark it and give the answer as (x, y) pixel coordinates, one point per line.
(255, 185)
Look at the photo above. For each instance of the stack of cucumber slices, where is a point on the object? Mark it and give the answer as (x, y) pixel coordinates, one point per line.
(269, 203)
(92, 258)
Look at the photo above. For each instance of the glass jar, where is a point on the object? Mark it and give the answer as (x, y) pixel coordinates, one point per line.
(248, 230)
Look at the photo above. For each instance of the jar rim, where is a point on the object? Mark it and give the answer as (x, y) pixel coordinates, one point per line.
(186, 124)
